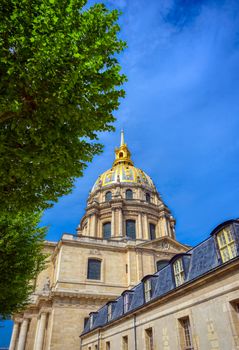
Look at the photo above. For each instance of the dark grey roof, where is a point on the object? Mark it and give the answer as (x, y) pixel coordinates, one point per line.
(196, 262)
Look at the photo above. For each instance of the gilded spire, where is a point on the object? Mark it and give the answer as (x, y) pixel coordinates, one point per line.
(122, 138)
(122, 154)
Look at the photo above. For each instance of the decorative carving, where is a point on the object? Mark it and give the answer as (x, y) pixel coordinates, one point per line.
(95, 252)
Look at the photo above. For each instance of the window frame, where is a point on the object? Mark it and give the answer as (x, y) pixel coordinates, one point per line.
(106, 195)
(91, 259)
(227, 248)
(185, 333)
(109, 312)
(147, 290)
(147, 197)
(131, 194)
(103, 225)
(149, 338)
(125, 342)
(126, 222)
(179, 275)
(151, 224)
(125, 303)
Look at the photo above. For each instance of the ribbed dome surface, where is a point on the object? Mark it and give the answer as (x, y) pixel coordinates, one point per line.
(123, 173)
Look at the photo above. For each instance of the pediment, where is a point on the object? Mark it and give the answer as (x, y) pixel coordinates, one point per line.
(165, 244)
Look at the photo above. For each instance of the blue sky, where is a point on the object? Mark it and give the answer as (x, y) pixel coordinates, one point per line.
(180, 114)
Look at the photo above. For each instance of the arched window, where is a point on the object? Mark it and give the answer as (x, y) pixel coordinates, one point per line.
(147, 197)
(94, 269)
(130, 229)
(107, 230)
(152, 234)
(129, 194)
(226, 243)
(178, 272)
(108, 196)
(121, 154)
(160, 264)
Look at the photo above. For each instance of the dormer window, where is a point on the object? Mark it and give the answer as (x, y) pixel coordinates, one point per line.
(108, 196)
(129, 194)
(226, 243)
(178, 272)
(147, 197)
(91, 321)
(147, 290)
(126, 302)
(109, 312)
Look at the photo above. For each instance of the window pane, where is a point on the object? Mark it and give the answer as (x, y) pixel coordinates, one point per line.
(94, 267)
(107, 230)
(152, 231)
(130, 229)
(226, 243)
(186, 336)
(129, 194)
(108, 196)
(178, 272)
(147, 197)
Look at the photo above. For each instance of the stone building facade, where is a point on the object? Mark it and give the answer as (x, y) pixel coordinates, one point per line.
(127, 232)
(191, 303)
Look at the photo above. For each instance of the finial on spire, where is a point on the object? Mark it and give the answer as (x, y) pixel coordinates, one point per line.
(122, 138)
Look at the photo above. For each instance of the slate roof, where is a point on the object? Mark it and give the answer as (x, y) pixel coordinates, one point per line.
(197, 261)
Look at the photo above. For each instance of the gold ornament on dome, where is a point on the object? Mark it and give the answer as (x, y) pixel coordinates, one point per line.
(123, 170)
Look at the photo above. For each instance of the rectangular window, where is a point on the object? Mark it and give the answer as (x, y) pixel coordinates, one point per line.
(178, 272)
(107, 345)
(152, 231)
(96, 347)
(147, 290)
(149, 343)
(94, 269)
(226, 243)
(91, 321)
(125, 345)
(185, 334)
(109, 312)
(126, 302)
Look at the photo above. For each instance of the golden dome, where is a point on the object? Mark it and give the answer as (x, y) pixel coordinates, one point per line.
(123, 170)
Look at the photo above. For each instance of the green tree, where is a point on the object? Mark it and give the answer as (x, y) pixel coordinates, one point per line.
(60, 83)
(21, 258)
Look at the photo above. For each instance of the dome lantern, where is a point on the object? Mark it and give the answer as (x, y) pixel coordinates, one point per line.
(122, 154)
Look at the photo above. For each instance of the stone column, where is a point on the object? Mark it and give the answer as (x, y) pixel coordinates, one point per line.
(40, 331)
(146, 228)
(88, 225)
(140, 226)
(14, 337)
(120, 223)
(113, 222)
(93, 225)
(23, 334)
